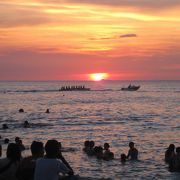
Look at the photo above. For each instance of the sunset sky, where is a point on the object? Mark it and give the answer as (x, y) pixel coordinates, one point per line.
(69, 39)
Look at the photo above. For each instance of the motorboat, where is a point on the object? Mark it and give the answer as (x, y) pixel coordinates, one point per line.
(130, 88)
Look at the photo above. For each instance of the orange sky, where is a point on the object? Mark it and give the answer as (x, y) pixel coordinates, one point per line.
(68, 39)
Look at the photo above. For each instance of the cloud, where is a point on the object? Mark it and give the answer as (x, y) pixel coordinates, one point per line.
(135, 3)
(127, 35)
(113, 37)
(101, 38)
(19, 15)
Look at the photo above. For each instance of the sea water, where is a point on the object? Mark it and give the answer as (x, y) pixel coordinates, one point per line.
(150, 117)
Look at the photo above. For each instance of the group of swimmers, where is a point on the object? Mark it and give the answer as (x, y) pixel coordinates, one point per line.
(17, 140)
(26, 124)
(48, 166)
(105, 153)
(6, 140)
(22, 110)
(98, 151)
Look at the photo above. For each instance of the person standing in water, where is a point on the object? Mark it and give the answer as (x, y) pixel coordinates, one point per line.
(133, 152)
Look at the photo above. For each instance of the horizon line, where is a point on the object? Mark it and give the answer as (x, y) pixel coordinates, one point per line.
(92, 80)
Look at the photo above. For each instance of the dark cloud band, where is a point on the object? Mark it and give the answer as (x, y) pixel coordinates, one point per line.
(135, 3)
(127, 35)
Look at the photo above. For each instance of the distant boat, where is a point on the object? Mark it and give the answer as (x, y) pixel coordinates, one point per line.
(130, 88)
(74, 88)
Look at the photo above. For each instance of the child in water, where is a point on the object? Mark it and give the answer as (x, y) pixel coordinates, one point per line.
(123, 158)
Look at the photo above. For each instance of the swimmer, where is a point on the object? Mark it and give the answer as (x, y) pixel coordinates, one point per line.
(98, 150)
(123, 158)
(47, 111)
(169, 154)
(26, 124)
(133, 152)
(90, 150)
(5, 126)
(107, 155)
(18, 141)
(21, 110)
(86, 146)
(174, 164)
(6, 141)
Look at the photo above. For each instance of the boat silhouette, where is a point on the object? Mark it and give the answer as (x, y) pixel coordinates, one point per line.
(130, 88)
(74, 88)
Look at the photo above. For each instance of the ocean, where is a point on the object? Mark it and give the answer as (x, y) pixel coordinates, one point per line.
(150, 117)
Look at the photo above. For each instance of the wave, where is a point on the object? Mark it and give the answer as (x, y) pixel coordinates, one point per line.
(30, 91)
(92, 90)
(47, 90)
(104, 90)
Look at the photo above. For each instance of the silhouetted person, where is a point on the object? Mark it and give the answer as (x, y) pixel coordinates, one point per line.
(49, 167)
(6, 141)
(107, 155)
(86, 146)
(9, 165)
(133, 152)
(5, 126)
(47, 111)
(21, 110)
(19, 143)
(61, 157)
(123, 158)
(106, 148)
(90, 150)
(27, 166)
(111, 156)
(174, 164)
(98, 150)
(26, 124)
(169, 154)
(17, 139)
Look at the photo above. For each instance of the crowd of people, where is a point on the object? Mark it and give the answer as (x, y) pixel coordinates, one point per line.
(46, 162)
(38, 166)
(105, 153)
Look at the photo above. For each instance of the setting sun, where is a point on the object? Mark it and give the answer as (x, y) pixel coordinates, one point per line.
(98, 76)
